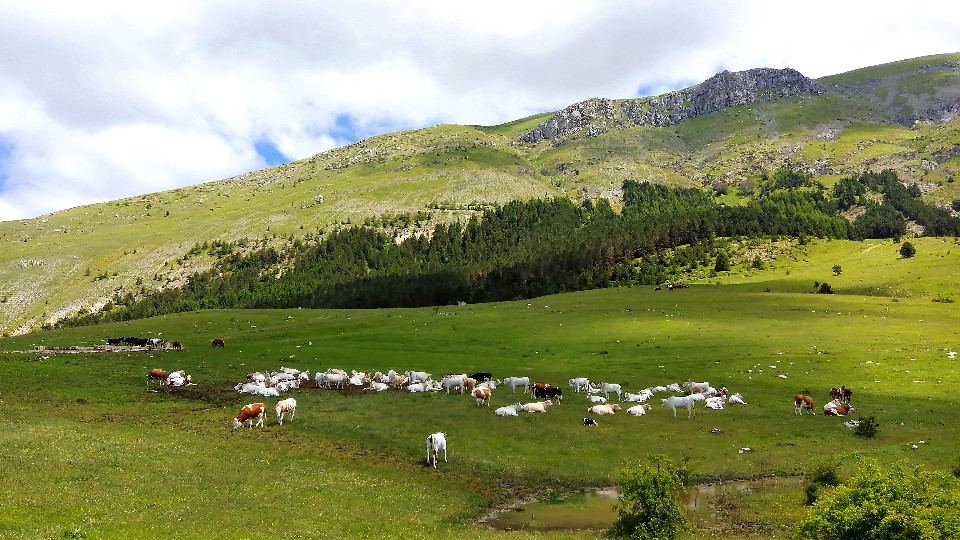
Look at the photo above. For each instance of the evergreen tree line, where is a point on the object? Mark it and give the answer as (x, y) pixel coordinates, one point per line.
(528, 249)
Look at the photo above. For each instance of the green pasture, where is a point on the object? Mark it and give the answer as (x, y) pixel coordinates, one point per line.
(88, 451)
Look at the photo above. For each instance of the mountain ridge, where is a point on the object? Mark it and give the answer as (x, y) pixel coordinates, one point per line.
(899, 116)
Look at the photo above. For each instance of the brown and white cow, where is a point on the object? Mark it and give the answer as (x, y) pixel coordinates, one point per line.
(248, 412)
(482, 395)
(157, 374)
(803, 402)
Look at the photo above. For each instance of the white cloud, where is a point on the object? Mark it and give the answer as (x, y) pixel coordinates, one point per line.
(106, 100)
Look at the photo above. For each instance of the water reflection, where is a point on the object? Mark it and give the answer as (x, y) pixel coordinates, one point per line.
(594, 510)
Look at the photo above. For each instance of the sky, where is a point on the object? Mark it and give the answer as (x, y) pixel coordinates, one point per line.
(110, 99)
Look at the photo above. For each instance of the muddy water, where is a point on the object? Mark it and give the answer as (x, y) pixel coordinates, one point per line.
(594, 510)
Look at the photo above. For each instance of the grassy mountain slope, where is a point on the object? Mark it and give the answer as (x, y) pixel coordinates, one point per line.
(78, 258)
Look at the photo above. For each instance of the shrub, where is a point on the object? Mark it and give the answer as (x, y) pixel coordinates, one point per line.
(825, 288)
(867, 427)
(907, 250)
(723, 263)
(649, 506)
(837, 270)
(886, 504)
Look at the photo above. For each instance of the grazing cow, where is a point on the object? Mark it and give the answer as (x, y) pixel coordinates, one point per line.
(285, 406)
(802, 402)
(158, 374)
(114, 341)
(482, 395)
(834, 393)
(435, 443)
(639, 410)
(514, 382)
(590, 422)
(604, 409)
(248, 413)
(217, 343)
(540, 406)
(177, 346)
(676, 402)
(579, 382)
(481, 376)
(509, 410)
(548, 392)
(845, 394)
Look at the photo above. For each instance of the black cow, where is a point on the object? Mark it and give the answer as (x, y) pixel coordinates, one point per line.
(482, 376)
(590, 422)
(548, 392)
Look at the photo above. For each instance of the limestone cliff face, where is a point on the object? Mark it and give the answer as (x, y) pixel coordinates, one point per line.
(723, 90)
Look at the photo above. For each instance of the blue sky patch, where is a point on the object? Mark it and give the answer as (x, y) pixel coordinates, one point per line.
(268, 151)
(345, 129)
(6, 150)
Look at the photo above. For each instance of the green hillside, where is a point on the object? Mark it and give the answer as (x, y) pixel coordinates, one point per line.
(92, 452)
(77, 259)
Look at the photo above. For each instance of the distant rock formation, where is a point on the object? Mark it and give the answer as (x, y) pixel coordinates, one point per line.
(724, 90)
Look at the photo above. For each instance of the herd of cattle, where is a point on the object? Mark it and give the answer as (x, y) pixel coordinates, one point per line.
(481, 386)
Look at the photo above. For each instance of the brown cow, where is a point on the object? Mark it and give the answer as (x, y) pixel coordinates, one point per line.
(845, 394)
(840, 410)
(217, 342)
(248, 413)
(803, 402)
(177, 346)
(158, 374)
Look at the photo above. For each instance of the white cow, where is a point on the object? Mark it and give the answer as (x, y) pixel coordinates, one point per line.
(604, 409)
(377, 386)
(514, 382)
(286, 406)
(435, 443)
(454, 381)
(509, 410)
(607, 388)
(643, 396)
(715, 403)
(580, 382)
(539, 406)
(597, 399)
(417, 376)
(736, 399)
(417, 387)
(639, 410)
(676, 402)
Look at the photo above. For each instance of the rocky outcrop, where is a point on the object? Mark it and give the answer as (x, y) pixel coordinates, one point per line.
(722, 91)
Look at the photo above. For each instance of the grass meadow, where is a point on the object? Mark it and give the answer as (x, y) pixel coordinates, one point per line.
(88, 451)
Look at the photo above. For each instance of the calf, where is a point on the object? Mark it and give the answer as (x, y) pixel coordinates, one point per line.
(736, 399)
(590, 422)
(157, 374)
(482, 395)
(285, 406)
(435, 443)
(676, 402)
(248, 413)
(803, 402)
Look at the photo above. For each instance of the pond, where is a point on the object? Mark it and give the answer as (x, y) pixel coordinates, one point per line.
(594, 509)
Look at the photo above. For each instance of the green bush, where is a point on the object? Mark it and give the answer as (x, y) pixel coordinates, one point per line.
(907, 250)
(867, 427)
(891, 505)
(649, 506)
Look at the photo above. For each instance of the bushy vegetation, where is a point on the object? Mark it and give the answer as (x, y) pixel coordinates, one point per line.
(529, 249)
(892, 504)
(649, 506)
